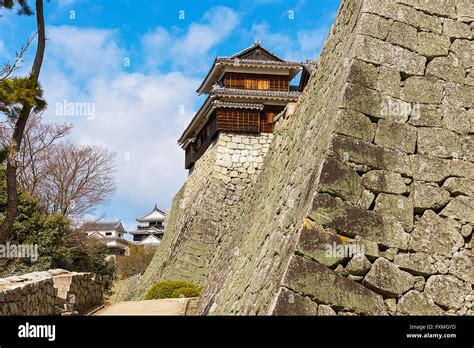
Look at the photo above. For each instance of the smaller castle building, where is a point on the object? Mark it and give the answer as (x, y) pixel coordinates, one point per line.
(150, 228)
(111, 232)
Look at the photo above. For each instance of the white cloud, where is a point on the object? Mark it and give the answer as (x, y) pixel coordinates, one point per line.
(192, 48)
(84, 52)
(137, 116)
(3, 51)
(305, 44)
(64, 3)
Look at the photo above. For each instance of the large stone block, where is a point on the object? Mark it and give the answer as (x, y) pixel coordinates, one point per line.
(429, 168)
(396, 109)
(417, 303)
(464, 51)
(350, 220)
(465, 10)
(340, 180)
(428, 196)
(416, 263)
(355, 124)
(419, 19)
(385, 278)
(462, 168)
(291, 303)
(326, 286)
(459, 186)
(462, 266)
(432, 45)
(384, 181)
(422, 90)
(314, 241)
(461, 208)
(399, 208)
(447, 291)
(389, 81)
(396, 136)
(456, 29)
(446, 68)
(362, 99)
(384, 8)
(434, 235)
(373, 25)
(375, 51)
(403, 35)
(468, 148)
(456, 119)
(469, 80)
(362, 73)
(460, 95)
(361, 152)
(427, 115)
(444, 8)
(359, 265)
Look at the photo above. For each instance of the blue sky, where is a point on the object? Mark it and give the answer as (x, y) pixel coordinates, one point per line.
(139, 63)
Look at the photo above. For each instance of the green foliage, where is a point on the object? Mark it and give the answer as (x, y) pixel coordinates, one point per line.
(3, 154)
(89, 255)
(58, 245)
(136, 262)
(172, 289)
(23, 10)
(20, 91)
(186, 292)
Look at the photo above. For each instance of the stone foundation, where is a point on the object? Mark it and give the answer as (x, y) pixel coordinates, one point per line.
(52, 292)
(196, 226)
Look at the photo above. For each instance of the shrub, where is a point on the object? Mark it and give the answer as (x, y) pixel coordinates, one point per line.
(172, 289)
(186, 292)
(135, 263)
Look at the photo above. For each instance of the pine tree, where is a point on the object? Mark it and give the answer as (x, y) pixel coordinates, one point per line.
(18, 97)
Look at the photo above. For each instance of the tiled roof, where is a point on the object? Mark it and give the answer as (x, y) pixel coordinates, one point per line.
(151, 230)
(218, 90)
(224, 104)
(100, 225)
(155, 215)
(237, 61)
(255, 45)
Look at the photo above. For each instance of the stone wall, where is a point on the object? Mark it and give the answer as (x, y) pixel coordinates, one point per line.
(200, 209)
(378, 155)
(52, 292)
(364, 200)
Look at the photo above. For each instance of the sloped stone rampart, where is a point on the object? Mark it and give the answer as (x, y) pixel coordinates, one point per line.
(364, 203)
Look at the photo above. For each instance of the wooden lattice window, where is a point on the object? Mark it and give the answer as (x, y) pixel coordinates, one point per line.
(279, 83)
(256, 81)
(238, 120)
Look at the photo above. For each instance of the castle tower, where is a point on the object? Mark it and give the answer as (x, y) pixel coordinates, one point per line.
(245, 92)
(150, 228)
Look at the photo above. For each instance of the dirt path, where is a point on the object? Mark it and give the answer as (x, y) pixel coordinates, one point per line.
(171, 306)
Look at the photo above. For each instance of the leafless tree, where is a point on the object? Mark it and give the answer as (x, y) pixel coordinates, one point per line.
(68, 179)
(75, 179)
(37, 138)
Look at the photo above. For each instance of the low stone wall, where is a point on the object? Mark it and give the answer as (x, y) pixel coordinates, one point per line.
(52, 292)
